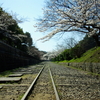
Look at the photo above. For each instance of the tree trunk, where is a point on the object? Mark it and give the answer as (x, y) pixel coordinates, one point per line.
(97, 39)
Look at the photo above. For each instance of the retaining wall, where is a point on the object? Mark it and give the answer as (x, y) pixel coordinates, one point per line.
(12, 58)
(91, 67)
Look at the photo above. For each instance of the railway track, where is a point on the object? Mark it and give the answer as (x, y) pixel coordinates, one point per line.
(49, 81)
(15, 90)
(37, 84)
(42, 87)
(31, 86)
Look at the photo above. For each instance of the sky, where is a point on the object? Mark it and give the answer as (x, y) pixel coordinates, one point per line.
(31, 9)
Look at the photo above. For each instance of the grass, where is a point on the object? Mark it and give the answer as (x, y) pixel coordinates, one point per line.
(8, 72)
(5, 73)
(20, 97)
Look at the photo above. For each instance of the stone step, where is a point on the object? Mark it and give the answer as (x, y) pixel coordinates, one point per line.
(1, 87)
(10, 79)
(15, 75)
(23, 72)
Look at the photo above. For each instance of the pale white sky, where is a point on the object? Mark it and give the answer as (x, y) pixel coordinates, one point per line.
(31, 9)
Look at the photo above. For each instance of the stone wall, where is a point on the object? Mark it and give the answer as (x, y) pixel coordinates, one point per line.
(91, 67)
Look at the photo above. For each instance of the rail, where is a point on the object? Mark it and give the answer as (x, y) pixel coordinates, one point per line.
(27, 93)
(55, 90)
(31, 86)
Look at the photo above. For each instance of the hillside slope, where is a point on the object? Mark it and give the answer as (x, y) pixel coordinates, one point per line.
(92, 55)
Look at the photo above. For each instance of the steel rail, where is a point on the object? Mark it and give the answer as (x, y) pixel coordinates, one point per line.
(31, 86)
(55, 90)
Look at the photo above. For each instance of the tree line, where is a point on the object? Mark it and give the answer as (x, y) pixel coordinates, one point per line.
(76, 51)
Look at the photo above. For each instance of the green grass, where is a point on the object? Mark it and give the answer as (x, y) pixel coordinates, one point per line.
(5, 73)
(92, 55)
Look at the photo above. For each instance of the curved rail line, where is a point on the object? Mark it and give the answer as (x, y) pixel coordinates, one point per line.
(31, 86)
(33, 83)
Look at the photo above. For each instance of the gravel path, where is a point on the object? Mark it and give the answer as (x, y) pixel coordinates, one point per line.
(74, 84)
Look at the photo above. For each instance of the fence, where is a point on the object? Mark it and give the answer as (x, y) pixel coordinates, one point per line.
(11, 57)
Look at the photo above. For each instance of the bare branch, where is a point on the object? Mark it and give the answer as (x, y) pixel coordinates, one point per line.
(66, 16)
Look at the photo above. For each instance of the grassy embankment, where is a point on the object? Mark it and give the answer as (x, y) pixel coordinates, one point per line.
(92, 55)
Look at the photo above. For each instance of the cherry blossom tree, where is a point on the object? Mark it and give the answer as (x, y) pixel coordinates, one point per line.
(10, 32)
(63, 16)
(5, 20)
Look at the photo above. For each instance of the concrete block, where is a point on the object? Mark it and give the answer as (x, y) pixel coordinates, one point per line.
(10, 79)
(1, 87)
(15, 75)
(23, 72)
